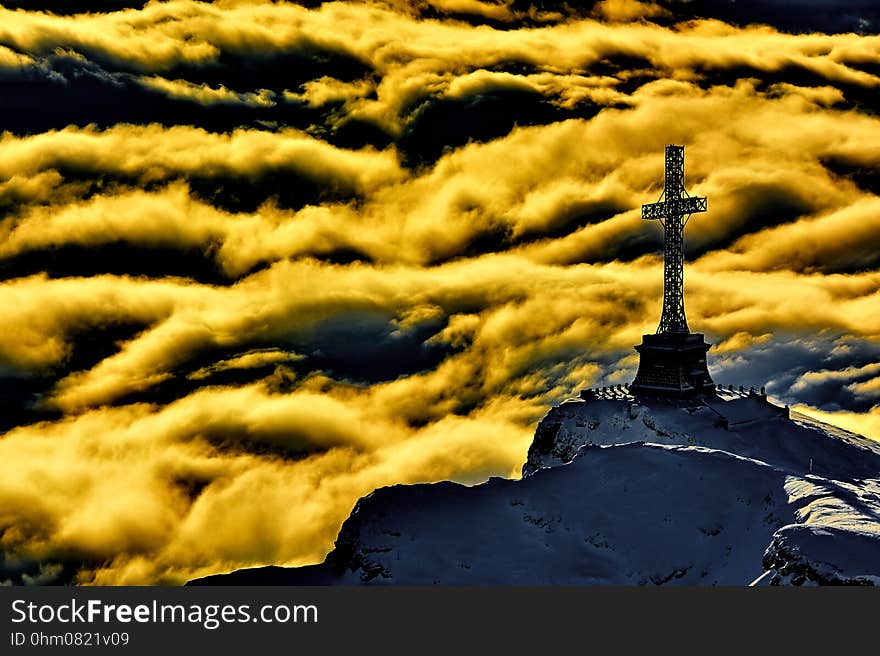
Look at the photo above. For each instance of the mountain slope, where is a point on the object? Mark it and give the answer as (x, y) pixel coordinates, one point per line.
(625, 492)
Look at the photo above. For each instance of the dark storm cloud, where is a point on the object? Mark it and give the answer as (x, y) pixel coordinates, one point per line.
(117, 258)
(790, 15)
(334, 348)
(337, 348)
(71, 7)
(814, 369)
(441, 125)
(67, 89)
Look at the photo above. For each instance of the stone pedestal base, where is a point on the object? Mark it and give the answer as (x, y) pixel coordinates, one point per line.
(672, 364)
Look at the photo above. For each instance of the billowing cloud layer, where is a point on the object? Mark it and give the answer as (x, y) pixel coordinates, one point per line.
(260, 259)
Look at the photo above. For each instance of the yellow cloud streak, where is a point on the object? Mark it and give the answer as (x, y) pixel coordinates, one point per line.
(154, 153)
(206, 95)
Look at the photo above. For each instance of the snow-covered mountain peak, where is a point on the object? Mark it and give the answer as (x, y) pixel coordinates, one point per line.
(727, 489)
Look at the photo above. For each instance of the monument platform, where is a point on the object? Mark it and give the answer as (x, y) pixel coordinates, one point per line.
(672, 364)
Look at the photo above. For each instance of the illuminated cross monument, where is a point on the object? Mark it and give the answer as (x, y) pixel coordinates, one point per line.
(673, 361)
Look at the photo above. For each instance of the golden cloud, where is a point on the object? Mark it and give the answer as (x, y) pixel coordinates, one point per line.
(864, 423)
(250, 360)
(206, 95)
(116, 484)
(153, 153)
(628, 10)
(867, 389)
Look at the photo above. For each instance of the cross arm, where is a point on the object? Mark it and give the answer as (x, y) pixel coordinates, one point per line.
(654, 211)
(679, 207)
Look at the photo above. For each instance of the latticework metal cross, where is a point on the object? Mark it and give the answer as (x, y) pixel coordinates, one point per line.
(673, 210)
